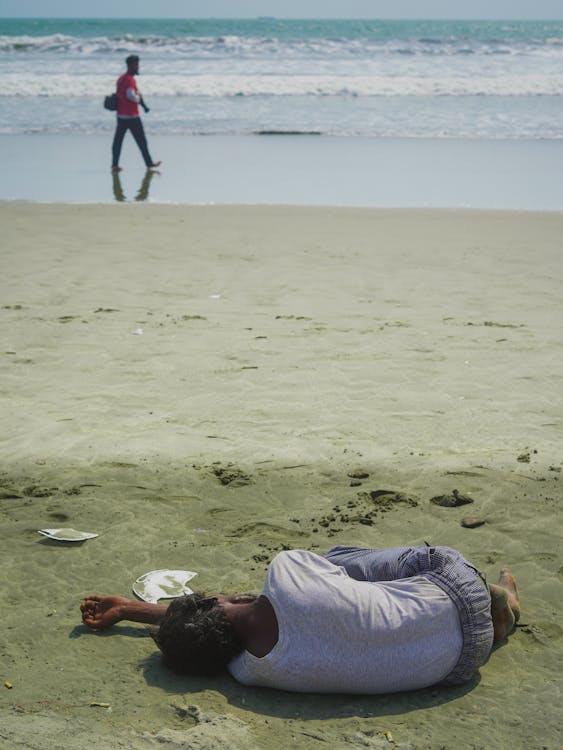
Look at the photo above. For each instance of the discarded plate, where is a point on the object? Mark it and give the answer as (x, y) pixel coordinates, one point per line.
(67, 535)
(163, 584)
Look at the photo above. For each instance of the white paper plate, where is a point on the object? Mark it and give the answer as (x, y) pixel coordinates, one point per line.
(163, 584)
(67, 535)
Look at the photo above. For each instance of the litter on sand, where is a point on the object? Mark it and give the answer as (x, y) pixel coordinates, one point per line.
(67, 535)
(163, 584)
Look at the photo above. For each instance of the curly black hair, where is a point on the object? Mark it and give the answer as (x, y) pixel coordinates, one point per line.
(195, 636)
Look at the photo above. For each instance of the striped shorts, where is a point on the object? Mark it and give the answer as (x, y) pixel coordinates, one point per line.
(449, 570)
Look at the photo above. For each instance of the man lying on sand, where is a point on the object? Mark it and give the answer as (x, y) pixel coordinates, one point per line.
(356, 621)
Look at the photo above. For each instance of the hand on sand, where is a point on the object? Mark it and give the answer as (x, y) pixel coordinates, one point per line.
(100, 612)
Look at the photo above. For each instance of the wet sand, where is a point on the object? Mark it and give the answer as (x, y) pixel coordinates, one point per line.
(197, 385)
(305, 170)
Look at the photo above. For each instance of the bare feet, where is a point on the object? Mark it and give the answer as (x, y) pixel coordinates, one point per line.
(507, 581)
(505, 605)
(116, 169)
(154, 165)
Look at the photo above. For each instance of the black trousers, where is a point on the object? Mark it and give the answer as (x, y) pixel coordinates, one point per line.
(135, 125)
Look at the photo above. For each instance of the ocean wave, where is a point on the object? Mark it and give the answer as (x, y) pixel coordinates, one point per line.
(233, 45)
(72, 86)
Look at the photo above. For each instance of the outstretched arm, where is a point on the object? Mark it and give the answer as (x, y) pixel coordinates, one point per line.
(100, 612)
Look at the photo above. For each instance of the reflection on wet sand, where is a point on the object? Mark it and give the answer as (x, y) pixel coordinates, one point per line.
(142, 193)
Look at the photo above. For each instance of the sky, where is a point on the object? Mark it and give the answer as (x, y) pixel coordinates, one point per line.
(485, 9)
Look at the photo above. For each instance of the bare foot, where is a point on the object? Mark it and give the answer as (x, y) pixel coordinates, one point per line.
(154, 165)
(506, 581)
(505, 605)
(116, 169)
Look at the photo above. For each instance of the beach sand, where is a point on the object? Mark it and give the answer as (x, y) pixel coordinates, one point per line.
(196, 385)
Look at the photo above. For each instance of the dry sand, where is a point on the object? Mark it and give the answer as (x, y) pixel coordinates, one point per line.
(281, 350)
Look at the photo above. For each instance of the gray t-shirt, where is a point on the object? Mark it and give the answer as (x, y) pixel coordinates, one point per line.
(340, 635)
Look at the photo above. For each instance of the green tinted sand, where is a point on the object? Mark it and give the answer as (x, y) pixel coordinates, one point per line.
(197, 386)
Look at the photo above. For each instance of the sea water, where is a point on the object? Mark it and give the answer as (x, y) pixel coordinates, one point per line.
(330, 112)
(374, 78)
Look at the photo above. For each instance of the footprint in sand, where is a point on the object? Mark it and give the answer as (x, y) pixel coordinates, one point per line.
(451, 500)
(231, 475)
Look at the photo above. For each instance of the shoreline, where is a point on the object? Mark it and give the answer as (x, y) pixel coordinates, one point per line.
(289, 170)
(297, 206)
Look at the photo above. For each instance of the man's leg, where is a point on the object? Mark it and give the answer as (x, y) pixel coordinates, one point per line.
(371, 564)
(505, 605)
(141, 141)
(120, 130)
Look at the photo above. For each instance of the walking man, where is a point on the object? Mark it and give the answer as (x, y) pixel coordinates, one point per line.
(128, 100)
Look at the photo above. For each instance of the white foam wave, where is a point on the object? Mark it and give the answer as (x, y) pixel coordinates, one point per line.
(228, 46)
(68, 85)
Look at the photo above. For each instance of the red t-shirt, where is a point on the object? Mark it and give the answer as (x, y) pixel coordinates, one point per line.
(124, 105)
